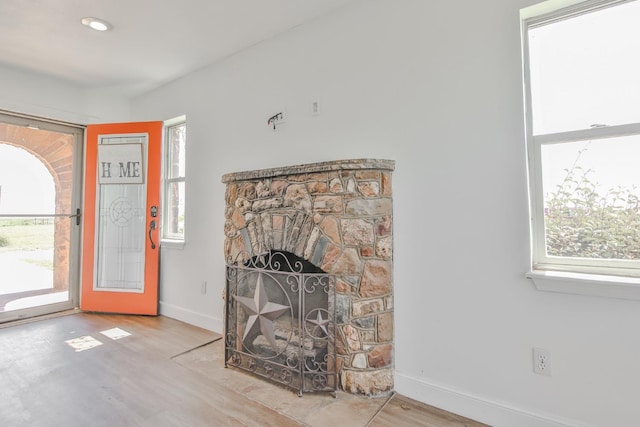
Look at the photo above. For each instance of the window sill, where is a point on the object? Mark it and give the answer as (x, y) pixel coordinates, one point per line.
(172, 244)
(586, 284)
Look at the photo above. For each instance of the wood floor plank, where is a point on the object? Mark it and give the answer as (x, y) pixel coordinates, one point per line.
(166, 373)
(127, 382)
(403, 411)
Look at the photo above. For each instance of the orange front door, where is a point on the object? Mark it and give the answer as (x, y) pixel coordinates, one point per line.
(120, 247)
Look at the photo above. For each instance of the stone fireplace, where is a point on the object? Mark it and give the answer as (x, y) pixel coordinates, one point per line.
(338, 217)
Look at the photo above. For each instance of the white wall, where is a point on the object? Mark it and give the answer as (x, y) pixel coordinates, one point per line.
(37, 95)
(436, 86)
(30, 93)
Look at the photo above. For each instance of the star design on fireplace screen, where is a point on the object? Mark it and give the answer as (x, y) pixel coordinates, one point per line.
(262, 313)
(320, 322)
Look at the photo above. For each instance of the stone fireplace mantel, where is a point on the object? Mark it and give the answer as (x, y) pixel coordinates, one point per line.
(337, 215)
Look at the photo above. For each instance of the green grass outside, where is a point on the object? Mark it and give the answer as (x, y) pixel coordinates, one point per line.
(25, 235)
(46, 263)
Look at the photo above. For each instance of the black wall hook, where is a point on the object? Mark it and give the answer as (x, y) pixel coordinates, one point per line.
(273, 119)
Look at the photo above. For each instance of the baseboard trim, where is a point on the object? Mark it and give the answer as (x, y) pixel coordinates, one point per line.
(192, 317)
(497, 414)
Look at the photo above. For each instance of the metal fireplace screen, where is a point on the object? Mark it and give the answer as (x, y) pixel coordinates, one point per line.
(279, 321)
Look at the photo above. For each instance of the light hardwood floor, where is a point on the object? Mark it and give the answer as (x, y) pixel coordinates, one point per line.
(166, 373)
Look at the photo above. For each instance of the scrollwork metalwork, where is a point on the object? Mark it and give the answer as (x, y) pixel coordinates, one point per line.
(294, 282)
(311, 365)
(239, 258)
(292, 345)
(279, 261)
(292, 361)
(231, 274)
(312, 282)
(230, 338)
(251, 364)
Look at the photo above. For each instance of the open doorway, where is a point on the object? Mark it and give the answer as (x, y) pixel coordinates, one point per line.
(39, 216)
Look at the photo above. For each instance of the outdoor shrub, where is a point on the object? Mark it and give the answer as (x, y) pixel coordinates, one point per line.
(582, 222)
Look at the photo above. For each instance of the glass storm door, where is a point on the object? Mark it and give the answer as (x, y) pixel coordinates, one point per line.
(40, 166)
(121, 228)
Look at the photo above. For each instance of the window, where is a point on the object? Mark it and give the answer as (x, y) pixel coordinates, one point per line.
(583, 135)
(174, 180)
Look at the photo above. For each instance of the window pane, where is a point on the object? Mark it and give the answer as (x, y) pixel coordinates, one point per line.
(175, 210)
(592, 205)
(584, 70)
(121, 221)
(176, 150)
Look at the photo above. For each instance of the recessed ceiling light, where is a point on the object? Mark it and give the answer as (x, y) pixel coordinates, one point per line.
(96, 24)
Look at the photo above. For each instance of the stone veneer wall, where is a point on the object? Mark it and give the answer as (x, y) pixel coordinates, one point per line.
(337, 215)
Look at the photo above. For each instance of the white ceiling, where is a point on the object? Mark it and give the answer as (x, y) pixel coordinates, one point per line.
(152, 41)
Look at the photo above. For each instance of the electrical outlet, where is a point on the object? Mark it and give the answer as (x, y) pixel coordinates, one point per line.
(541, 361)
(203, 287)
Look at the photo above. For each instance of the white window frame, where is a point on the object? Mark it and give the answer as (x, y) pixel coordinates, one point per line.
(170, 240)
(608, 278)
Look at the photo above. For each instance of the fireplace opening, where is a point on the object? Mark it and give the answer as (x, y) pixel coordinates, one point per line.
(280, 322)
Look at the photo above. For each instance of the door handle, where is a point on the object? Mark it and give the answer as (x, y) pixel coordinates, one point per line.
(76, 216)
(152, 226)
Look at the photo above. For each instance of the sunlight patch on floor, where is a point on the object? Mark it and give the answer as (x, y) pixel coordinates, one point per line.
(115, 333)
(88, 342)
(83, 343)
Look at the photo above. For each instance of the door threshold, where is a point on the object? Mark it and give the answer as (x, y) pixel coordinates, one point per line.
(41, 317)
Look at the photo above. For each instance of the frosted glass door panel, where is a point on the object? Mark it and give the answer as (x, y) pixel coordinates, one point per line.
(120, 245)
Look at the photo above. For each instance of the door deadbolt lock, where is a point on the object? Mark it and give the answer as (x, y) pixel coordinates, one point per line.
(154, 211)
